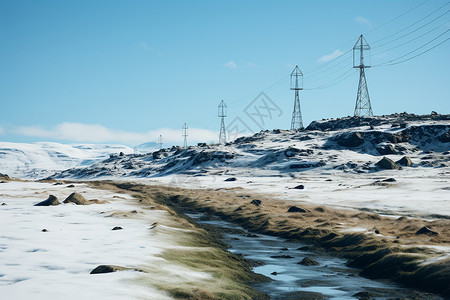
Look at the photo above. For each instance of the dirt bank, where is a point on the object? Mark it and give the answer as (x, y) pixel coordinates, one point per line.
(382, 247)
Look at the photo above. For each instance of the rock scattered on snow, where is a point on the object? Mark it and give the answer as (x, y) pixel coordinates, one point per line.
(281, 256)
(351, 140)
(107, 269)
(299, 187)
(404, 161)
(308, 261)
(76, 198)
(387, 164)
(386, 149)
(51, 201)
(231, 179)
(117, 228)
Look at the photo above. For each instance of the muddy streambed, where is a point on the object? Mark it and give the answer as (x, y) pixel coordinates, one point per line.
(279, 260)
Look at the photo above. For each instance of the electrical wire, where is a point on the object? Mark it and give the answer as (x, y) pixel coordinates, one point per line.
(399, 62)
(377, 41)
(332, 82)
(407, 42)
(429, 42)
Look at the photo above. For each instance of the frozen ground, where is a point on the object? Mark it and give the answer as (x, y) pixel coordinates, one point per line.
(335, 161)
(56, 264)
(37, 160)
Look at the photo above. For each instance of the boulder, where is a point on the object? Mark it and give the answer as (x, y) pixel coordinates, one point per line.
(299, 187)
(308, 261)
(51, 201)
(386, 149)
(256, 202)
(404, 161)
(445, 138)
(117, 228)
(231, 179)
(426, 231)
(387, 164)
(281, 256)
(106, 269)
(76, 198)
(350, 140)
(296, 209)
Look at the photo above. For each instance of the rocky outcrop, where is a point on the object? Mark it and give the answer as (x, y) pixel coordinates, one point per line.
(76, 198)
(51, 201)
(351, 140)
(404, 161)
(387, 164)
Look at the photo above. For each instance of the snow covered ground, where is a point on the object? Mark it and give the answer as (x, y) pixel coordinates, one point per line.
(335, 160)
(56, 264)
(38, 160)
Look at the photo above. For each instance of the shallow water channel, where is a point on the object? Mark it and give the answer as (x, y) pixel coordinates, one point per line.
(279, 260)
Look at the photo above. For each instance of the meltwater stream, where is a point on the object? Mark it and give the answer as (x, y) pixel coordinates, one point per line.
(331, 279)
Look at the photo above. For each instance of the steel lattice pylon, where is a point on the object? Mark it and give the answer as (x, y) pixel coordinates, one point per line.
(363, 106)
(222, 114)
(184, 131)
(296, 76)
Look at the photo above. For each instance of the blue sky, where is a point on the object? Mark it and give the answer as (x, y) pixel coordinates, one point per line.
(127, 71)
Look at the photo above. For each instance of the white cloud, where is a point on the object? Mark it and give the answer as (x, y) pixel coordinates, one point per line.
(331, 56)
(95, 133)
(146, 47)
(362, 21)
(231, 65)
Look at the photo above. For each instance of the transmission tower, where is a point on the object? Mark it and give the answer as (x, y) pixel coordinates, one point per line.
(297, 85)
(222, 115)
(363, 106)
(184, 133)
(160, 141)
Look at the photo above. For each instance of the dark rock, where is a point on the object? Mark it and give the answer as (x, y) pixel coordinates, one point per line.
(386, 149)
(58, 183)
(3, 203)
(76, 198)
(70, 186)
(351, 140)
(300, 187)
(445, 138)
(238, 209)
(377, 231)
(231, 179)
(389, 180)
(274, 273)
(51, 200)
(117, 228)
(106, 269)
(304, 248)
(4, 177)
(308, 261)
(44, 230)
(284, 249)
(256, 202)
(387, 164)
(201, 144)
(426, 231)
(363, 296)
(281, 256)
(121, 154)
(296, 209)
(404, 161)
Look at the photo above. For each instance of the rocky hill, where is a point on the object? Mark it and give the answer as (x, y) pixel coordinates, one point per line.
(358, 145)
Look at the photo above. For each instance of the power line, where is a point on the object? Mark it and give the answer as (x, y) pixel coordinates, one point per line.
(399, 62)
(411, 32)
(330, 84)
(407, 42)
(429, 42)
(411, 24)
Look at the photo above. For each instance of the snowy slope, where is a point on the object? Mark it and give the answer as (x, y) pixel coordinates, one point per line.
(335, 168)
(38, 160)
